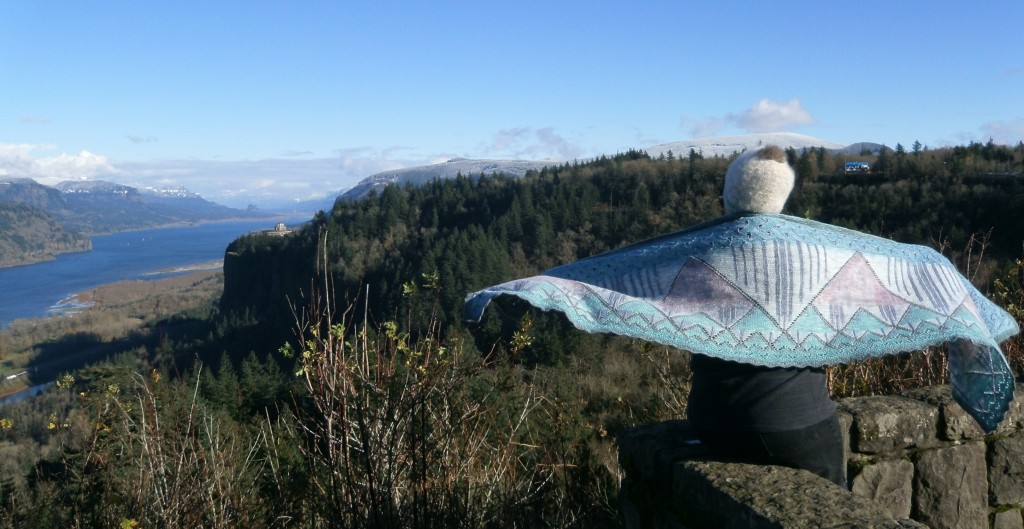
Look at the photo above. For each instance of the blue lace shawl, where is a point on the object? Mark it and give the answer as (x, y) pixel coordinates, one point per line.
(779, 291)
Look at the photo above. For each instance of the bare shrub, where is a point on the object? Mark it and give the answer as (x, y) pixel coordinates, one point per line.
(673, 372)
(142, 451)
(1009, 292)
(404, 432)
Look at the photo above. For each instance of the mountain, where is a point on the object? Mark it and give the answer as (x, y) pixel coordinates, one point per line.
(96, 188)
(856, 149)
(30, 193)
(729, 145)
(29, 235)
(423, 174)
(96, 206)
(170, 192)
(178, 201)
(708, 147)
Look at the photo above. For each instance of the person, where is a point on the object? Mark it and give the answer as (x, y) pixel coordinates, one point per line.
(757, 414)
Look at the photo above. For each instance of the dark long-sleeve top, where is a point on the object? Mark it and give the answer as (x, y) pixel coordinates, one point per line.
(733, 397)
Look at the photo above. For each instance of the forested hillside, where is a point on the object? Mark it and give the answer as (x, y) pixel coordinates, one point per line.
(475, 231)
(29, 235)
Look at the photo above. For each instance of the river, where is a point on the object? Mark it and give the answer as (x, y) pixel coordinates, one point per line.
(42, 289)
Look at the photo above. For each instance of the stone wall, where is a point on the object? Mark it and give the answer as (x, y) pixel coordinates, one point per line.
(914, 461)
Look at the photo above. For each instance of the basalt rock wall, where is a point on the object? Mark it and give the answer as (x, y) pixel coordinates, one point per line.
(914, 461)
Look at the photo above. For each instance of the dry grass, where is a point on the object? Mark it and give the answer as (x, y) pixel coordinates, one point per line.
(170, 290)
(889, 375)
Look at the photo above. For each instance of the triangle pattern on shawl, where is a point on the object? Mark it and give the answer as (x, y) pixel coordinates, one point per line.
(856, 287)
(755, 324)
(710, 326)
(699, 289)
(917, 317)
(864, 322)
(781, 277)
(809, 324)
(969, 313)
(967, 317)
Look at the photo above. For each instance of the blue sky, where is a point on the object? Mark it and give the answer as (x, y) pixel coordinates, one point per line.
(245, 101)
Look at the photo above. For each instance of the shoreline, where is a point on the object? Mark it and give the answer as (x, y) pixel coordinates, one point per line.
(109, 294)
(197, 267)
(122, 299)
(125, 290)
(46, 259)
(37, 289)
(193, 223)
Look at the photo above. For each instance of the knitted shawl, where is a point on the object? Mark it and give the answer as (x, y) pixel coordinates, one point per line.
(780, 291)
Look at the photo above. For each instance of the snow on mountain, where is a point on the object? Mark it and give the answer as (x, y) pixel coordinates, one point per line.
(708, 147)
(110, 188)
(95, 187)
(855, 149)
(170, 192)
(729, 145)
(423, 174)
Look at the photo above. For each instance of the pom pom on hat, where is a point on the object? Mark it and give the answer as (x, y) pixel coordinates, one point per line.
(759, 181)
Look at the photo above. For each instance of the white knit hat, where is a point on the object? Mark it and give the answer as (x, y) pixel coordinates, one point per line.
(759, 181)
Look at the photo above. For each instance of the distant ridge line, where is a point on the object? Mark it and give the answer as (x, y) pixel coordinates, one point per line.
(708, 147)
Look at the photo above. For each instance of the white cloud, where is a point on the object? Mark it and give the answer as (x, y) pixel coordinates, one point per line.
(507, 140)
(366, 161)
(764, 116)
(529, 143)
(21, 150)
(552, 145)
(19, 160)
(704, 127)
(233, 183)
(267, 183)
(772, 116)
(1004, 132)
